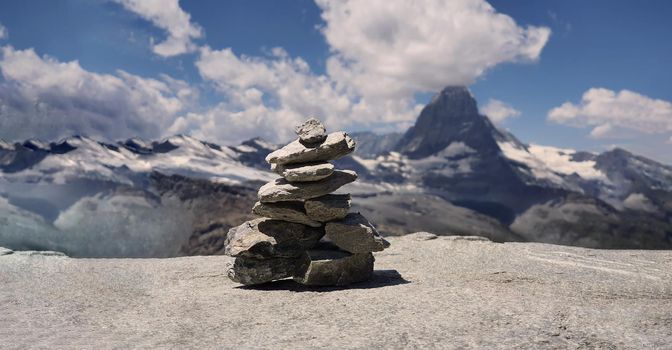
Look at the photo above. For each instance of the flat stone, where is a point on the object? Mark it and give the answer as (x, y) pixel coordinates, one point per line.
(337, 145)
(334, 268)
(304, 172)
(355, 234)
(246, 270)
(328, 208)
(267, 238)
(286, 211)
(421, 236)
(466, 238)
(311, 131)
(283, 190)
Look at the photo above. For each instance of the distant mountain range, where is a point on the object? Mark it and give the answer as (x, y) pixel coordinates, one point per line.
(453, 172)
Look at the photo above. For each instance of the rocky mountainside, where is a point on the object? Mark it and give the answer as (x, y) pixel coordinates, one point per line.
(544, 194)
(133, 198)
(454, 172)
(428, 292)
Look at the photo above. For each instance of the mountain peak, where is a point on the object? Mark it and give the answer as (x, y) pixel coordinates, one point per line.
(451, 116)
(453, 93)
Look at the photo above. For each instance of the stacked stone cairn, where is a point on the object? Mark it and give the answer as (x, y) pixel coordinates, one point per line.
(305, 232)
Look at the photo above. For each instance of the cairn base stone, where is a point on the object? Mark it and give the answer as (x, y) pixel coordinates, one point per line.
(336, 145)
(334, 268)
(285, 211)
(355, 234)
(247, 271)
(267, 238)
(283, 190)
(328, 208)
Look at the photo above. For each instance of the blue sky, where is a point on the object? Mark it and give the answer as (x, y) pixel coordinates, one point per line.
(228, 79)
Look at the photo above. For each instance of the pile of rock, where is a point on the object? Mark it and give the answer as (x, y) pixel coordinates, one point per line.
(305, 231)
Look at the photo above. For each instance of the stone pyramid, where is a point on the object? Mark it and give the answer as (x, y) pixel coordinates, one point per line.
(305, 231)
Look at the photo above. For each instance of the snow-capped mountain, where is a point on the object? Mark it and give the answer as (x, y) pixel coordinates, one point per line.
(131, 198)
(79, 157)
(454, 172)
(614, 199)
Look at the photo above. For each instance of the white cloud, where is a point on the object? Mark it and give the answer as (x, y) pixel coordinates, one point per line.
(3, 32)
(167, 15)
(393, 49)
(611, 113)
(382, 54)
(266, 96)
(42, 97)
(499, 111)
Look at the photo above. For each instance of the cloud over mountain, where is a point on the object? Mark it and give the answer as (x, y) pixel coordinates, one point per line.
(498, 111)
(394, 49)
(615, 114)
(43, 97)
(374, 69)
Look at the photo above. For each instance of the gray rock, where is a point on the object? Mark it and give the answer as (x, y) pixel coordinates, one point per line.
(337, 145)
(311, 131)
(283, 190)
(304, 172)
(246, 270)
(5, 251)
(268, 238)
(466, 238)
(40, 253)
(421, 236)
(355, 234)
(286, 211)
(499, 296)
(334, 268)
(328, 208)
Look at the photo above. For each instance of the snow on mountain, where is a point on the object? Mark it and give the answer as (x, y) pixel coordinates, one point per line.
(80, 157)
(552, 164)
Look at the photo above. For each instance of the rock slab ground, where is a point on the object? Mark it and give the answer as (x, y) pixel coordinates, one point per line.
(443, 293)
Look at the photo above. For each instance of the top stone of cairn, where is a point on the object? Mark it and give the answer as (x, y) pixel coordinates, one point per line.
(311, 131)
(335, 145)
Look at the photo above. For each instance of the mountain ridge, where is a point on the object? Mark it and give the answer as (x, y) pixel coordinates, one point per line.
(470, 177)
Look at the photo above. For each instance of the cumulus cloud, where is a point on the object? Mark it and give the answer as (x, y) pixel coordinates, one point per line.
(382, 54)
(42, 97)
(391, 49)
(499, 111)
(265, 95)
(167, 15)
(611, 113)
(3, 32)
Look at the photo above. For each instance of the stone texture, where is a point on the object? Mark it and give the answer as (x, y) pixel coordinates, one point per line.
(423, 236)
(268, 238)
(311, 131)
(334, 268)
(286, 211)
(337, 145)
(246, 270)
(304, 171)
(283, 190)
(423, 294)
(355, 234)
(328, 208)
